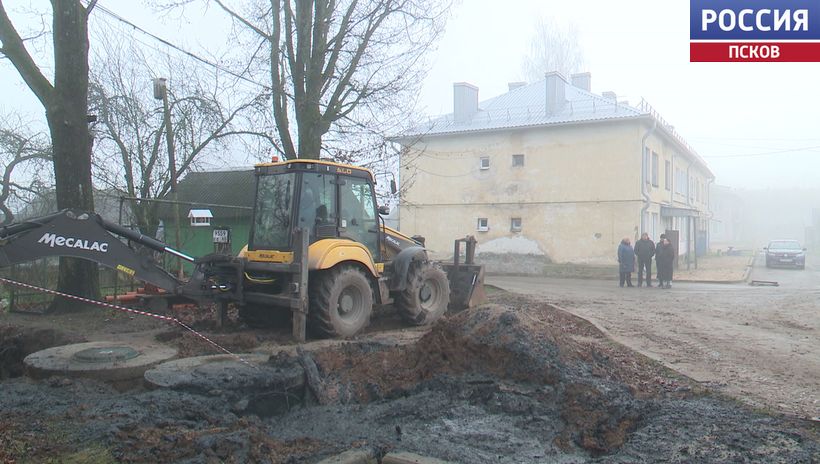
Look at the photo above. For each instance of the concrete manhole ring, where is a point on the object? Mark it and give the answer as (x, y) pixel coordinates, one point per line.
(224, 372)
(108, 361)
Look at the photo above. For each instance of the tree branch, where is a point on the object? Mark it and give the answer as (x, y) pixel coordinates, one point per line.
(15, 50)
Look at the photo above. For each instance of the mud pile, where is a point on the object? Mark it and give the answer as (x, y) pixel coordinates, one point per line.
(499, 348)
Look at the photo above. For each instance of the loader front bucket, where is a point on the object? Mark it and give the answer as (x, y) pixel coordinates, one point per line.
(466, 286)
(466, 278)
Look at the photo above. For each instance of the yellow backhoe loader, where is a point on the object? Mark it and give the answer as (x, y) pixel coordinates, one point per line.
(318, 249)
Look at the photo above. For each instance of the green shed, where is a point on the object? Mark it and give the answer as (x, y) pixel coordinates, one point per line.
(209, 203)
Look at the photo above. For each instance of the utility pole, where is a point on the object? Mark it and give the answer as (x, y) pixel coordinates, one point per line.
(161, 93)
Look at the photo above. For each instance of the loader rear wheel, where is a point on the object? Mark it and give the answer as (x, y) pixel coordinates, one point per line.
(341, 302)
(427, 294)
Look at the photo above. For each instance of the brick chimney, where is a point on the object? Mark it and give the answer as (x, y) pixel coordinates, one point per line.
(465, 102)
(582, 80)
(556, 92)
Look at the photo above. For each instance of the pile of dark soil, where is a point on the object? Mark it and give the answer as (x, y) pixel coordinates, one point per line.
(511, 382)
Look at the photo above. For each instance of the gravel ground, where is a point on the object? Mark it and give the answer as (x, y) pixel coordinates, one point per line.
(760, 345)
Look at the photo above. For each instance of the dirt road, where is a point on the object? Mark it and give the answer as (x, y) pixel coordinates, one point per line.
(760, 345)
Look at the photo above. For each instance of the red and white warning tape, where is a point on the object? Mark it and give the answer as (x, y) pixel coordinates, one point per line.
(171, 320)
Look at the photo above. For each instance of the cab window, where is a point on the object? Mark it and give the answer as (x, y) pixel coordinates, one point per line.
(317, 205)
(358, 218)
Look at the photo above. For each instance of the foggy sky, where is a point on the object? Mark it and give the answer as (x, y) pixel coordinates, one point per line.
(637, 48)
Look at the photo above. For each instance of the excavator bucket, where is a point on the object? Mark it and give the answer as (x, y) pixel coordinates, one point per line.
(466, 278)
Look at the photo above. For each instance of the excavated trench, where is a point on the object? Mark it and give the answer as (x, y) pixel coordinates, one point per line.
(512, 382)
(18, 342)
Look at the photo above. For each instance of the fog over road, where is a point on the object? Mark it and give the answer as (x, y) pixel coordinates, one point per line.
(758, 344)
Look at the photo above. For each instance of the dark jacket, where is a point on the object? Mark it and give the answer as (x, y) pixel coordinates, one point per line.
(644, 249)
(664, 257)
(626, 258)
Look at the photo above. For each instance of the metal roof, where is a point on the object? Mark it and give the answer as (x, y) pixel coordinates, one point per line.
(235, 188)
(527, 106)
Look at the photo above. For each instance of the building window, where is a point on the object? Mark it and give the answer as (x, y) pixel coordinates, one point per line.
(517, 160)
(485, 162)
(681, 183)
(653, 231)
(515, 224)
(483, 225)
(667, 175)
(655, 168)
(646, 161)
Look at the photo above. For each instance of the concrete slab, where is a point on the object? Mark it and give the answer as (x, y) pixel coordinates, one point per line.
(351, 457)
(258, 386)
(226, 373)
(409, 458)
(105, 360)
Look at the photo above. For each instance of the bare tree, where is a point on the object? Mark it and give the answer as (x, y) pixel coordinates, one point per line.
(130, 152)
(338, 64)
(23, 156)
(553, 47)
(65, 100)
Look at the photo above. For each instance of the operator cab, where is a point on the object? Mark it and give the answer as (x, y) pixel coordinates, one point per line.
(326, 199)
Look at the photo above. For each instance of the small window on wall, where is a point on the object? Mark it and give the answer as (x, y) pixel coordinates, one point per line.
(485, 162)
(668, 175)
(483, 225)
(515, 224)
(645, 167)
(655, 168)
(517, 160)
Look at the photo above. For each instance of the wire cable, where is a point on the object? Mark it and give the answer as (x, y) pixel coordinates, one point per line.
(167, 43)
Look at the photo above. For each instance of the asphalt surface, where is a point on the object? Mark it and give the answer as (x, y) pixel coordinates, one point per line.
(790, 278)
(760, 345)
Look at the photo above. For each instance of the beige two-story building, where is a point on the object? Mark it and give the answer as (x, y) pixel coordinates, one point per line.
(553, 170)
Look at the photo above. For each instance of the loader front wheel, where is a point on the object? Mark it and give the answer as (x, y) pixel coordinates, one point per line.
(426, 296)
(341, 302)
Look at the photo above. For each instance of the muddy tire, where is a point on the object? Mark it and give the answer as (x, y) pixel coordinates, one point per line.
(427, 294)
(341, 302)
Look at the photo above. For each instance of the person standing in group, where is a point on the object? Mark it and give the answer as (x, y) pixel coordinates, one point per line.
(626, 262)
(645, 250)
(664, 258)
(658, 245)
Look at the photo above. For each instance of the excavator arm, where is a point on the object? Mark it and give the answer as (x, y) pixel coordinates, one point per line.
(85, 235)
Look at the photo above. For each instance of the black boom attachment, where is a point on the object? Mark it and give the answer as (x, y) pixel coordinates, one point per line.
(85, 235)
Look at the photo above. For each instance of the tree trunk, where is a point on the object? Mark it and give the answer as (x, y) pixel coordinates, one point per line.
(310, 133)
(68, 124)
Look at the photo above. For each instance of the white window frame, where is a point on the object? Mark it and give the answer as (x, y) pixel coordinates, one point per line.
(646, 161)
(514, 227)
(656, 165)
(484, 163)
(482, 225)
